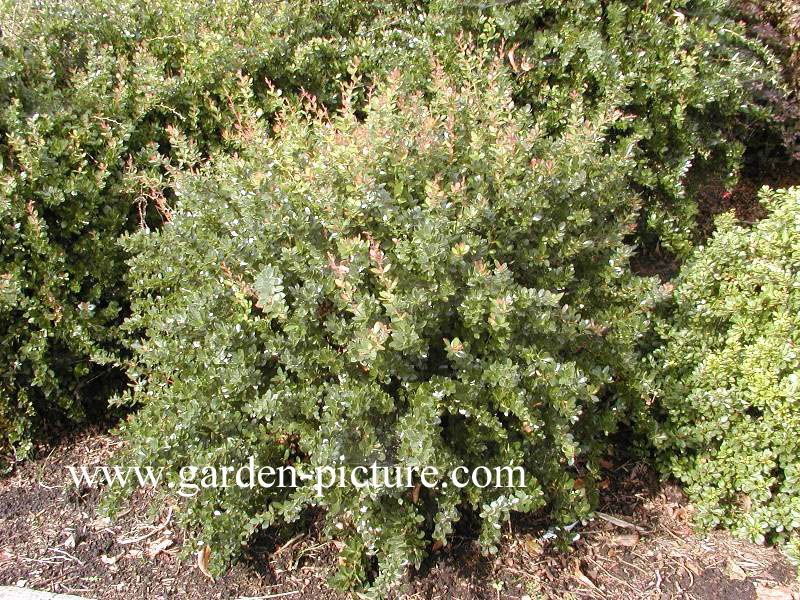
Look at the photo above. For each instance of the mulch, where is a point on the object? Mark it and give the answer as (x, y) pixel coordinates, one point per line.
(642, 546)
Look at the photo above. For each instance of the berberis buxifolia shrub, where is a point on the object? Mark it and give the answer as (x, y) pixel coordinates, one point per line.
(89, 90)
(726, 379)
(432, 282)
(681, 70)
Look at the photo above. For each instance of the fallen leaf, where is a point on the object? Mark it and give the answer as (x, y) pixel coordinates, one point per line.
(4, 555)
(777, 593)
(681, 514)
(532, 546)
(578, 574)
(734, 571)
(70, 541)
(110, 560)
(202, 562)
(158, 547)
(693, 567)
(437, 545)
(629, 540)
(338, 545)
(101, 523)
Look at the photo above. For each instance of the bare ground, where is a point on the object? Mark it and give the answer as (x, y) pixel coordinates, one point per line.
(52, 538)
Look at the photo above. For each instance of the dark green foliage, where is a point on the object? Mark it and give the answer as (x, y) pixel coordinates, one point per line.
(89, 94)
(437, 283)
(681, 71)
(436, 275)
(91, 91)
(725, 382)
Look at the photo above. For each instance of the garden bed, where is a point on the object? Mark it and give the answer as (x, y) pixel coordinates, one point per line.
(56, 540)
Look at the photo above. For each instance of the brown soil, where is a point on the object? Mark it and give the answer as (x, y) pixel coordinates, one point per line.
(642, 547)
(715, 199)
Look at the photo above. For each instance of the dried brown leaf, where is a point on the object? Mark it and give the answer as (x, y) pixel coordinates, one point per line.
(629, 540)
(511, 59)
(110, 560)
(158, 547)
(415, 493)
(202, 562)
(734, 570)
(693, 567)
(583, 579)
(532, 546)
(776, 593)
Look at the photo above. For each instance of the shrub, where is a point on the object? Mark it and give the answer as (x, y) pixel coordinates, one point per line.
(94, 88)
(435, 283)
(682, 72)
(776, 23)
(90, 92)
(726, 377)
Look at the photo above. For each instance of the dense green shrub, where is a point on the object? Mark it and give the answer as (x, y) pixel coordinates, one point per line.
(681, 70)
(435, 282)
(90, 91)
(726, 380)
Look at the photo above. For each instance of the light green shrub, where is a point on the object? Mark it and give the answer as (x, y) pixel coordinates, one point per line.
(725, 386)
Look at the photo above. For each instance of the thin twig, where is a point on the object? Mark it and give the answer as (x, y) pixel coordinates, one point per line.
(620, 522)
(65, 553)
(296, 538)
(151, 534)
